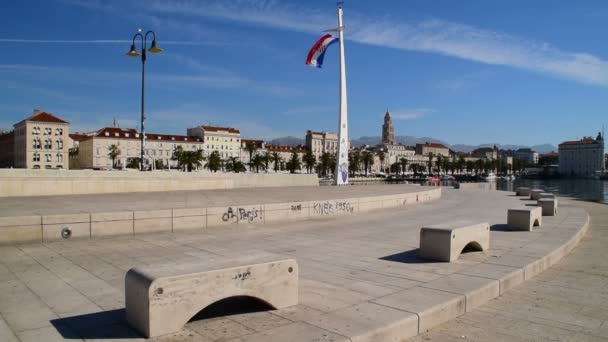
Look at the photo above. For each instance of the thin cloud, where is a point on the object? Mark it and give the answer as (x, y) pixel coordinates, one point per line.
(411, 114)
(435, 36)
(109, 41)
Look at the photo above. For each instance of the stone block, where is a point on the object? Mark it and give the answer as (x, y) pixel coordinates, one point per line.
(548, 205)
(160, 299)
(523, 191)
(20, 229)
(524, 218)
(68, 218)
(477, 290)
(446, 242)
(535, 193)
(546, 195)
(189, 219)
(52, 232)
(507, 276)
(433, 307)
(111, 224)
(153, 221)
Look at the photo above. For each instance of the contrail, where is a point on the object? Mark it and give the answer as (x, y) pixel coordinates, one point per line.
(105, 41)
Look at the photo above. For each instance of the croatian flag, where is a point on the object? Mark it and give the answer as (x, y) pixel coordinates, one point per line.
(317, 53)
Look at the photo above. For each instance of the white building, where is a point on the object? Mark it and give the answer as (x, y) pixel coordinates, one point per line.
(527, 155)
(225, 140)
(321, 142)
(581, 158)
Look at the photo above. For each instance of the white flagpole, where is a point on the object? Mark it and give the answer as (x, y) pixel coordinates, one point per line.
(341, 174)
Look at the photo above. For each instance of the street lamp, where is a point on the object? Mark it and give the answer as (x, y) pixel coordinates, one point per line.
(133, 53)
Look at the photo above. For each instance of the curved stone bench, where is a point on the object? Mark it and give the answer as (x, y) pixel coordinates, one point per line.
(546, 195)
(446, 243)
(535, 193)
(524, 218)
(160, 299)
(522, 191)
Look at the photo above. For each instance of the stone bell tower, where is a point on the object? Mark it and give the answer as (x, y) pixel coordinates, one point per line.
(388, 130)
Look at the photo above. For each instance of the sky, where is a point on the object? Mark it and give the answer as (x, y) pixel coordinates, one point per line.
(466, 72)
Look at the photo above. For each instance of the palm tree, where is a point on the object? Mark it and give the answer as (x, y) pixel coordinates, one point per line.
(415, 167)
(431, 163)
(250, 147)
(354, 161)
(192, 159)
(403, 162)
(267, 157)
(470, 165)
(178, 152)
(325, 163)
(460, 164)
(294, 163)
(439, 163)
(113, 153)
(368, 160)
(214, 162)
(276, 159)
(233, 164)
(309, 161)
(256, 162)
(382, 157)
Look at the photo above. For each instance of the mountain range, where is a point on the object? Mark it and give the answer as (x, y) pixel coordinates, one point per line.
(411, 141)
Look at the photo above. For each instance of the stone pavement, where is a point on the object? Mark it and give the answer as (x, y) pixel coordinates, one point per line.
(569, 302)
(47, 205)
(359, 275)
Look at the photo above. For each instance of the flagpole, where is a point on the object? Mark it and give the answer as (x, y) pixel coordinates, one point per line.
(341, 174)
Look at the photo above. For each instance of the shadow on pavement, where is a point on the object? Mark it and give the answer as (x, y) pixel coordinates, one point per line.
(100, 325)
(409, 257)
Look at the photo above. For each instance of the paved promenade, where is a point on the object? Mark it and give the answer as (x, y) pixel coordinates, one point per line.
(569, 302)
(46, 205)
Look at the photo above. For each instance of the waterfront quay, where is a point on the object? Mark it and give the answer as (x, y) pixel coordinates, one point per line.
(360, 277)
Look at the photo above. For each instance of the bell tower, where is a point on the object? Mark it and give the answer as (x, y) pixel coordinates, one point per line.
(388, 130)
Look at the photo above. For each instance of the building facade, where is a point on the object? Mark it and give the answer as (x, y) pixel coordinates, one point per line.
(260, 148)
(40, 142)
(321, 142)
(92, 150)
(225, 140)
(526, 154)
(485, 153)
(581, 158)
(434, 148)
(388, 130)
(7, 149)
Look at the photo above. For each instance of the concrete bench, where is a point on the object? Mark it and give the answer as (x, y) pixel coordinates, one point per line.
(535, 193)
(445, 243)
(521, 191)
(548, 206)
(160, 299)
(546, 195)
(524, 218)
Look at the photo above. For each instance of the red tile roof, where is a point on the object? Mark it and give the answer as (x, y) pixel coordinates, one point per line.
(45, 117)
(435, 145)
(217, 129)
(130, 133)
(586, 141)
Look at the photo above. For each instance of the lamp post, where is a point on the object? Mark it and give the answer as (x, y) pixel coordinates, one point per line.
(133, 53)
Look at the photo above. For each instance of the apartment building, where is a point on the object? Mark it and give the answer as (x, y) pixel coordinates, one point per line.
(225, 140)
(437, 149)
(581, 158)
(321, 142)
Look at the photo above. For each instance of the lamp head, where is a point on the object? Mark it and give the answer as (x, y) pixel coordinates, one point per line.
(133, 52)
(154, 48)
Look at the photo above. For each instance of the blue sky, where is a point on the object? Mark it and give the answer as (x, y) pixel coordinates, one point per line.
(519, 72)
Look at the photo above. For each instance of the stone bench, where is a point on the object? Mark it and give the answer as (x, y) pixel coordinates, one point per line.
(160, 299)
(524, 218)
(535, 193)
(521, 191)
(445, 243)
(548, 206)
(546, 195)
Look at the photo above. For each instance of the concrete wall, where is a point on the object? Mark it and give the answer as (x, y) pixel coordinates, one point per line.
(47, 228)
(19, 182)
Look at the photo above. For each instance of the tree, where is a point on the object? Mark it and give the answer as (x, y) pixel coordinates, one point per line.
(214, 162)
(159, 165)
(233, 164)
(267, 157)
(133, 163)
(325, 163)
(113, 153)
(439, 163)
(460, 164)
(403, 162)
(431, 163)
(470, 165)
(276, 159)
(250, 147)
(192, 159)
(256, 162)
(178, 152)
(309, 160)
(480, 165)
(382, 157)
(294, 163)
(415, 168)
(368, 160)
(354, 161)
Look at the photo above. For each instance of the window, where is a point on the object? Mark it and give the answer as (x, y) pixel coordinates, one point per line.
(36, 157)
(59, 157)
(59, 144)
(48, 131)
(48, 144)
(36, 143)
(36, 130)
(48, 157)
(59, 131)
